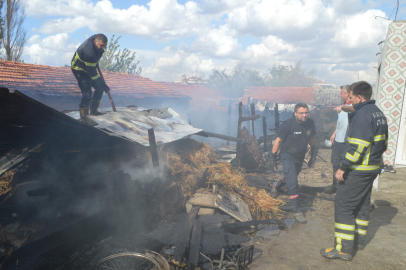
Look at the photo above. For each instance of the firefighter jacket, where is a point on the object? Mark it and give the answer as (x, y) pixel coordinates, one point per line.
(367, 139)
(86, 59)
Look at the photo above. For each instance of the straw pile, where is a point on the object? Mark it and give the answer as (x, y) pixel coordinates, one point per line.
(188, 164)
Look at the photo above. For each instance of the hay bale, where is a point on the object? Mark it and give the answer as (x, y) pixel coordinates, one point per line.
(187, 165)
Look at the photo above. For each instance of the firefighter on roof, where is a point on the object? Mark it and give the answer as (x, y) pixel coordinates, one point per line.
(84, 67)
(367, 139)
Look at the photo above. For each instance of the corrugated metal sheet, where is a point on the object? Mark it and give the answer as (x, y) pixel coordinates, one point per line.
(133, 123)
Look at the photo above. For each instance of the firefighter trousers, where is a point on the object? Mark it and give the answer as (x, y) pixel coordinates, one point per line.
(291, 168)
(351, 207)
(85, 84)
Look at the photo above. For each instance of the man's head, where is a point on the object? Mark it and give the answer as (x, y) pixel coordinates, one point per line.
(301, 112)
(345, 92)
(360, 92)
(101, 42)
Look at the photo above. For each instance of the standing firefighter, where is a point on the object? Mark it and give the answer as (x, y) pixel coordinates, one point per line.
(294, 135)
(367, 139)
(84, 66)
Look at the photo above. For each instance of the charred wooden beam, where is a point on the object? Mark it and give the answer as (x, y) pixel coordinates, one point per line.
(265, 134)
(238, 159)
(252, 114)
(222, 137)
(153, 148)
(184, 235)
(194, 250)
(249, 118)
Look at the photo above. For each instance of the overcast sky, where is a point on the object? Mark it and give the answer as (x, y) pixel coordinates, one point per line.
(336, 37)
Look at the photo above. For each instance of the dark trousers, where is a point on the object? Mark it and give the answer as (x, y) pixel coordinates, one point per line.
(85, 84)
(351, 206)
(291, 168)
(337, 154)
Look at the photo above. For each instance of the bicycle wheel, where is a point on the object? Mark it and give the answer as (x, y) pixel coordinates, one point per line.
(127, 261)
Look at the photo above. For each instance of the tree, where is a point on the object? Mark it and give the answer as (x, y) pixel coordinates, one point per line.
(121, 61)
(232, 84)
(296, 76)
(14, 35)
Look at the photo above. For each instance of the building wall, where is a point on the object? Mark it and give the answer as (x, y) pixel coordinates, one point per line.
(391, 89)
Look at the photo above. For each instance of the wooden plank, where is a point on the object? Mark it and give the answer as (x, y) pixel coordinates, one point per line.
(194, 250)
(182, 240)
(222, 137)
(233, 206)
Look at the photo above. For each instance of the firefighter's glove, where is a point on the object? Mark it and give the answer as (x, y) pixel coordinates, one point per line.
(313, 154)
(272, 161)
(107, 89)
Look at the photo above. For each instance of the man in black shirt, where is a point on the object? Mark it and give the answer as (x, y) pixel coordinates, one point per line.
(294, 135)
(84, 67)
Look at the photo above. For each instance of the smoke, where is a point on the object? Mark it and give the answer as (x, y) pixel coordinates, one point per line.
(145, 174)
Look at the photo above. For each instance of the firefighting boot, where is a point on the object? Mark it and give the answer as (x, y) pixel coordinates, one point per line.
(83, 113)
(94, 104)
(300, 217)
(331, 189)
(333, 253)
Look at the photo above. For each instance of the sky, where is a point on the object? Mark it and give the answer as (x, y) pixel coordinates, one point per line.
(338, 38)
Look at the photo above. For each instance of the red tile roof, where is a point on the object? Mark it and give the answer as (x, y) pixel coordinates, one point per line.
(281, 95)
(203, 97)
(46, 80)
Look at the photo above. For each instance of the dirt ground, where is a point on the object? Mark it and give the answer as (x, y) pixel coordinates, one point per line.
(299, 247)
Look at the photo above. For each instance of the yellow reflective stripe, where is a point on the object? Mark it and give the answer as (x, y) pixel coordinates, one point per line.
(365, 167)
(339, 246)
(356, 155)
(344, 236)
(95, 77)
(84, 62)
(78, 68)
(366, 157)
(358, 141)
(379, 138)
(345, 227)
(362, 222)
(361, 231)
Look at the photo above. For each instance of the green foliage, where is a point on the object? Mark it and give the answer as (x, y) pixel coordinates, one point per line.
(118, 61)
(296, 76)
(232, 84)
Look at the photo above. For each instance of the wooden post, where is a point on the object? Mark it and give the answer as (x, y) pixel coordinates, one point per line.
(265, 134)
(229, 121)
(238, 134)
(276, 111)
(253, 113)
(248, 123)
(153, 148)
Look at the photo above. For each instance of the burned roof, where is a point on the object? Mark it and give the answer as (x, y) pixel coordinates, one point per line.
(281, 95)
(59, 81)
(203, 97)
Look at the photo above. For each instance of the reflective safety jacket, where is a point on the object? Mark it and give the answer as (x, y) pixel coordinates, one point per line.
(367, 139)
(86, 59)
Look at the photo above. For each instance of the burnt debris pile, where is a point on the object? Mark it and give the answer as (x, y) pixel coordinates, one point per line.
(131, 189)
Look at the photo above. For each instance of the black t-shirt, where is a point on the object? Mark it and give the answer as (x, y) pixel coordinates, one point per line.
(296, 136)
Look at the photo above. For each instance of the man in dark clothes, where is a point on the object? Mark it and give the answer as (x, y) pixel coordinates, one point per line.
(367, 140)
(84, 67)
(294, 135)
